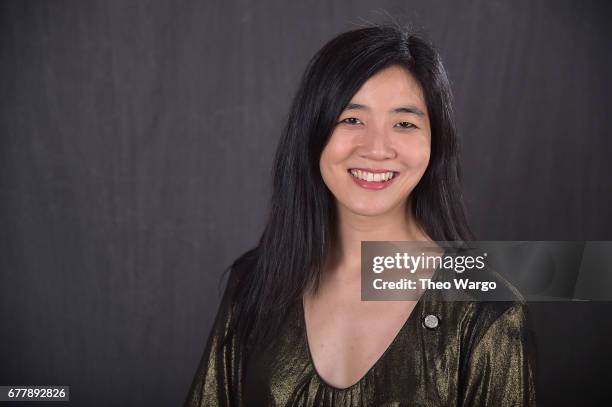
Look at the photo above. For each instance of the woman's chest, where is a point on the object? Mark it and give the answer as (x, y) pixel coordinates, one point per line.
(420, 367)
(347, 337)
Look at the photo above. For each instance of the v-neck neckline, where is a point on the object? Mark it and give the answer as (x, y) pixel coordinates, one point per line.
(417, 309)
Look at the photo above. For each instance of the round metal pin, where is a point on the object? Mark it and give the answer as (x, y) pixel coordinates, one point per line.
(431, 321)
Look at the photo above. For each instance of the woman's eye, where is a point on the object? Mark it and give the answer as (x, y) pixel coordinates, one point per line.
(406, 125)
(351, 120)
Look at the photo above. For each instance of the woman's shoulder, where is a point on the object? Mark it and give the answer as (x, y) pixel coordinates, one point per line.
(504, 311)
(242, 265)
(495, 324)
(486, 315)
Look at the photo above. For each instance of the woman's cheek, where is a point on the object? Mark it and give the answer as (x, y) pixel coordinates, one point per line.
(416, 154)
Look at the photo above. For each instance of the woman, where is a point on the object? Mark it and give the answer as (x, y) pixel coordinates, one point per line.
(369, 152)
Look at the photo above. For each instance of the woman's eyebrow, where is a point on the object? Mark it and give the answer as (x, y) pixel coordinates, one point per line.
(401, 109)
(408, 109)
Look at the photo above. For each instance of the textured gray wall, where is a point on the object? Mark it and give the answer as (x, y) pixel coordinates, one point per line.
(136, 141)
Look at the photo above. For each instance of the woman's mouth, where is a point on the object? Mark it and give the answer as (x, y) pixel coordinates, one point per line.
(372, 179)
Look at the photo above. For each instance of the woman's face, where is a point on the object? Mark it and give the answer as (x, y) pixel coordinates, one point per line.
(380, 147)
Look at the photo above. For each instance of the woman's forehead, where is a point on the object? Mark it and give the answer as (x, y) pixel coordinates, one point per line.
(390, 89)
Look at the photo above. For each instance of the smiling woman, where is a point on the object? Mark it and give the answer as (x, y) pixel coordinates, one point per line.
(384, 124)
(369, 152)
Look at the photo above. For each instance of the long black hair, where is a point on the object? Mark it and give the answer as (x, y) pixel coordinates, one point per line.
(301, 223)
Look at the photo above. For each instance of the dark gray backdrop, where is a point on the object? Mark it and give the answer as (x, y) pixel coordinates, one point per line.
(135, 153)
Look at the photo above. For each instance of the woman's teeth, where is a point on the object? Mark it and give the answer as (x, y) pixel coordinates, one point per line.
(372, 177)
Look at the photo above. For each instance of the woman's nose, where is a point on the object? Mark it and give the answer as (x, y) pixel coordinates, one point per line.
(376, 145)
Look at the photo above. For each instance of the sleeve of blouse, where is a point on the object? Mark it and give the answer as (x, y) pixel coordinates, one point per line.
(501, 366)
(218, 379)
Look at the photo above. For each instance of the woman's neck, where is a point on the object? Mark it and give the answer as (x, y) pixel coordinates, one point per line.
(345, 258)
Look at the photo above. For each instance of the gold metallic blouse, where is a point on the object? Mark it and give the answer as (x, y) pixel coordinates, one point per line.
(448, 353)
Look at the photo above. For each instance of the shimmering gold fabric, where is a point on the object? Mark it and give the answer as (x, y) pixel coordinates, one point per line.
(480, 354)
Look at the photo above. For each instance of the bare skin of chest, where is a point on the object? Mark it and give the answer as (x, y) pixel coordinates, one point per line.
(347, 336)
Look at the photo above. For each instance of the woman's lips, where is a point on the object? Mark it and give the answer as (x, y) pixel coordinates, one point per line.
(372, 185)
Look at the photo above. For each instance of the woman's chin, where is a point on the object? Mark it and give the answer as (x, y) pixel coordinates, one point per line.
(372, 210)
